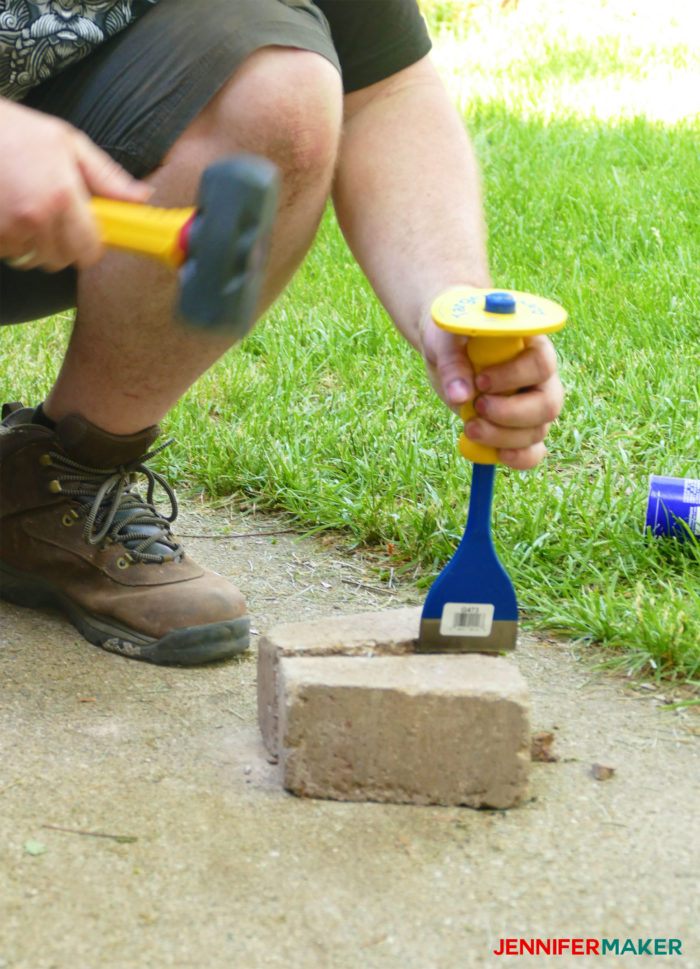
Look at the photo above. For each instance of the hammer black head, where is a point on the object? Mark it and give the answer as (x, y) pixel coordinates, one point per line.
(227, 244)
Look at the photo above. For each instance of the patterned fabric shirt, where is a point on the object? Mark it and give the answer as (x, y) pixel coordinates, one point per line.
(39, 38)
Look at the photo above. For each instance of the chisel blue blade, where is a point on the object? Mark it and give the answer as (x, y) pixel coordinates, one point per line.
(472, 606)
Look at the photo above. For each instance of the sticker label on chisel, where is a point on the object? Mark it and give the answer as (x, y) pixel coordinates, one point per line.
(466, 619)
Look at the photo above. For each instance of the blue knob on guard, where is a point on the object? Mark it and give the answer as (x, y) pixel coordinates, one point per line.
(499, 303)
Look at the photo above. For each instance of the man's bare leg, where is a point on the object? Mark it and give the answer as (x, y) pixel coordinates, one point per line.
(128, 361)
(76, 533)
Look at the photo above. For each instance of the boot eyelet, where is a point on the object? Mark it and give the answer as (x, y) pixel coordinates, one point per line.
(45, 460)
(55, 487)
(123, 562)
(68, 520)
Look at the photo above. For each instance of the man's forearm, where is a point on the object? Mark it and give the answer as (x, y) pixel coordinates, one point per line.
(407, 194)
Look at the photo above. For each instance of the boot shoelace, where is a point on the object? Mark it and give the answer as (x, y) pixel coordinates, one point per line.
(115, 513)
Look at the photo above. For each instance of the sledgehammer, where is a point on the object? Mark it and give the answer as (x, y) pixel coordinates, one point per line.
(219, 247)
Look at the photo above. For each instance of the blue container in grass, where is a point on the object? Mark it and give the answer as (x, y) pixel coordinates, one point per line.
(673, 509)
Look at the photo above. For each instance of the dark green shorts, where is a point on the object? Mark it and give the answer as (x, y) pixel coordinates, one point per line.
(136, 95)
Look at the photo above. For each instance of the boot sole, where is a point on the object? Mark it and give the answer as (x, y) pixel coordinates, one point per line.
(191, 646)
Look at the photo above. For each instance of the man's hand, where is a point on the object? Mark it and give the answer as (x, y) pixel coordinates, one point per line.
(49, 172)
(516, 424)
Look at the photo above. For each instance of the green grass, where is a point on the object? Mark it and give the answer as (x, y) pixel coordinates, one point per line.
(325, 413)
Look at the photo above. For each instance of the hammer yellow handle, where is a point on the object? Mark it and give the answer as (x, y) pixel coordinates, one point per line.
(143, 229)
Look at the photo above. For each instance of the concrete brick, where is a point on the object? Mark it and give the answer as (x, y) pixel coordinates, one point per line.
(390, 633)
(353, 714)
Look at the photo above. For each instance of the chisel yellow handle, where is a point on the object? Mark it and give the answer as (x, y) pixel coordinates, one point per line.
(484, 351)
(145, 230)
(496, 322)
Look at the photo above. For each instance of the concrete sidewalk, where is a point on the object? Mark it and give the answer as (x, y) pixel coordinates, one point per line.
(227, 870)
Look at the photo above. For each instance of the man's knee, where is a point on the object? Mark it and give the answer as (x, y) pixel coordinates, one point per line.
(285, 104)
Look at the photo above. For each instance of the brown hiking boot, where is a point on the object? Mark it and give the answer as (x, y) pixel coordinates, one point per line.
(76, 535)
